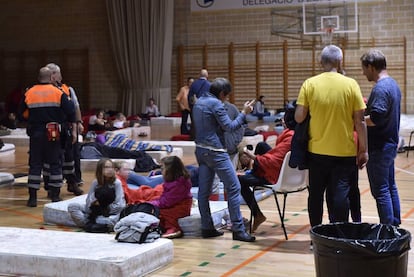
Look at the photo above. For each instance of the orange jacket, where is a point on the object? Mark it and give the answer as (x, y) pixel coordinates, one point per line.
(46, 103)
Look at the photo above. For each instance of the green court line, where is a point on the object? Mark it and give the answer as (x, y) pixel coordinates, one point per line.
(203, 264)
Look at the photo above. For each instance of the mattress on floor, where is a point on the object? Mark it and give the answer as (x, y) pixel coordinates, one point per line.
(259, 194)
(191, 225)
(8, 148)
(90, 164)
(35, 252)
(6, 179)
(17, 137)
(166, 120)
(57, 213)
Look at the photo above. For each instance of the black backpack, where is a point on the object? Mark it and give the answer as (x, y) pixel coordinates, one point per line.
(141, 207)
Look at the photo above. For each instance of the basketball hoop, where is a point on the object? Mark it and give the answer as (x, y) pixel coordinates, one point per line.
(327, 35)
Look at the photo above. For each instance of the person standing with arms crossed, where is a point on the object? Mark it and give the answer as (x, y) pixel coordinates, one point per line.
(182, 100)
(336, 107)
(46, 108)
(383, 123)
(210, 120)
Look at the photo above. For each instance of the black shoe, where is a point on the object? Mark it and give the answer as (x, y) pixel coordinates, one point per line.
(54, 194)
(32, 202)
(243, 236)
(74, 188)
(211, 233)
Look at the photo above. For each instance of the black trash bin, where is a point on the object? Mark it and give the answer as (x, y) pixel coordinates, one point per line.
(360, 250)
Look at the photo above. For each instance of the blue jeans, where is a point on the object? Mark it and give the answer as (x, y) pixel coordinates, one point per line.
(380, 169)
(335, 175)
(211, 163)
(136, 180)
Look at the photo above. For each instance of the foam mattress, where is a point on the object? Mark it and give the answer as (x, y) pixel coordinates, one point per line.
(35, 252)
(6, 179)
(57, 213)
(8, 148)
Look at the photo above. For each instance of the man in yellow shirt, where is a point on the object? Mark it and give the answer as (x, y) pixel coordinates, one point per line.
(336, 108)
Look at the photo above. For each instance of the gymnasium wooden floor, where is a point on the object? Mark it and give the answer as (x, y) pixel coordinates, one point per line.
(270, 255)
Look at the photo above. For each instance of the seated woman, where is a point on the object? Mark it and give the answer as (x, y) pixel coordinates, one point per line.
(120, 121)
(266, 166)
(98, 122)
(104, 202)
(151, 110)
(259, 108)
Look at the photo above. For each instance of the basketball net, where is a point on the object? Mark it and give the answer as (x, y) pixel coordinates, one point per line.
(327, 36)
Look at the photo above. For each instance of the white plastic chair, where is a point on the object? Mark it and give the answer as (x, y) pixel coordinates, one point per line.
(290, 180)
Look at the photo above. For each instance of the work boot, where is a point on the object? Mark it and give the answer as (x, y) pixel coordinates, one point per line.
(32, 202)
(74, 188)
(47, 188)
(54, 194)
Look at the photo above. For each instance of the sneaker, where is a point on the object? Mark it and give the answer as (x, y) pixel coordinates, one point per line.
(170, 234)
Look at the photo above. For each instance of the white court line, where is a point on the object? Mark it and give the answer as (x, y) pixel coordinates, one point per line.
(405, 171)
(375, 218)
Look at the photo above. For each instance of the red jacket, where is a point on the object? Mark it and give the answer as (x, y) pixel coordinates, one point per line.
(269, 164)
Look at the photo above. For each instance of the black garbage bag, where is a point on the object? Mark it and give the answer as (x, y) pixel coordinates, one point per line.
(360, 249)
(365, 237)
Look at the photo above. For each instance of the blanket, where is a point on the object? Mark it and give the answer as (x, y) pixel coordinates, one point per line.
(142, 193)
(126, 143)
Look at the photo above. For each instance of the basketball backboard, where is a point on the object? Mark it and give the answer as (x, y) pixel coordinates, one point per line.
(338, 16)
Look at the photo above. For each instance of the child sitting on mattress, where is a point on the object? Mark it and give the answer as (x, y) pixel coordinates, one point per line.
(104, 202)
(173, 196)
(176, 199)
